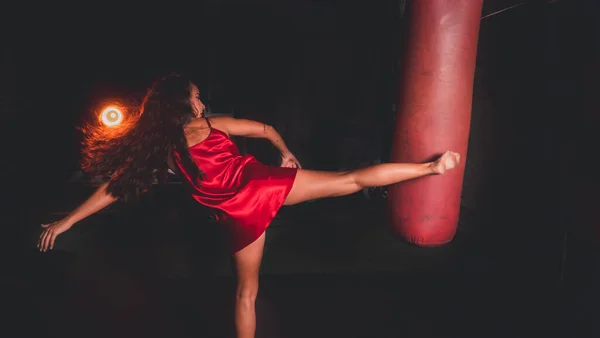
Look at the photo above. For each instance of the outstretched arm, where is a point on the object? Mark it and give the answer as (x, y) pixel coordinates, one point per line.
(254, 129)
(98, 201)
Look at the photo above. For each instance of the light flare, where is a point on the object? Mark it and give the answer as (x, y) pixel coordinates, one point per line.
(111, 116)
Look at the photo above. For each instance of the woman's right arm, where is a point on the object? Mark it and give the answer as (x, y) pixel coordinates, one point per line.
(98, 201)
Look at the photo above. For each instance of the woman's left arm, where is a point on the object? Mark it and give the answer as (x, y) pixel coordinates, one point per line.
(254, 129)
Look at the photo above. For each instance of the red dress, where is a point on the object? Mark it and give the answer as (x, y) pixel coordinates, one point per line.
(244, 194)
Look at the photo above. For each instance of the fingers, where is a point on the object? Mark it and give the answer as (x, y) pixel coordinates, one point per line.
(42, 239)
(52, 239)
(42, 242)
(47, 239)
(292, 164)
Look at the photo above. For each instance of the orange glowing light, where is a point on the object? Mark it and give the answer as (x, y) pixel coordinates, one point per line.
(111, 116)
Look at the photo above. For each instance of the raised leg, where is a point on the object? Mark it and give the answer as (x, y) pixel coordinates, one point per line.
(310, 184)
(247, 265)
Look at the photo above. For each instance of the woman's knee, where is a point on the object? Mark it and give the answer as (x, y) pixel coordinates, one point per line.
(247, 292)
(352, 178)
(349, 183)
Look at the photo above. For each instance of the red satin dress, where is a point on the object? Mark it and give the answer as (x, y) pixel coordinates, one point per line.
(244, 194)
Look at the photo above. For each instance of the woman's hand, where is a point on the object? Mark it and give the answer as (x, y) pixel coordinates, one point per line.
(288, 160)
(50, 232)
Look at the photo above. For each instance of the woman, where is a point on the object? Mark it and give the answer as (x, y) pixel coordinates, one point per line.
(171, 133)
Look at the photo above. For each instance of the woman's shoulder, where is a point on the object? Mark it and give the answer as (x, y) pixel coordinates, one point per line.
(220, 119)
(197, 122)
(221, 122)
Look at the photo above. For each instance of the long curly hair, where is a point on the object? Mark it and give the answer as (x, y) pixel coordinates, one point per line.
(135, 154)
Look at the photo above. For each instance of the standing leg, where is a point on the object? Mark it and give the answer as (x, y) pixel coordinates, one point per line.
(247, 264)
(311, 184)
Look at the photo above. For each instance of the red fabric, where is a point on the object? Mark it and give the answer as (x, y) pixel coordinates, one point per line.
(244, 193)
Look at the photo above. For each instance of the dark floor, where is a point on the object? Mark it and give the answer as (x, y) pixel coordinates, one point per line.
(288, 306)
(320, 278)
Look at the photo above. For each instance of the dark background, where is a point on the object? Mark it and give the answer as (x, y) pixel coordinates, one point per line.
(324, 73)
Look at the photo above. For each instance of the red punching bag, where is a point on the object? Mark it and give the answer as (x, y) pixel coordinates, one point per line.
(433, 115)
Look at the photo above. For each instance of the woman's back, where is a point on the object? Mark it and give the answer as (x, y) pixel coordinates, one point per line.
(220, 161)
(244, 193)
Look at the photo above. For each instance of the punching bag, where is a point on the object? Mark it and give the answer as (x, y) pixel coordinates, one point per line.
(433, 115)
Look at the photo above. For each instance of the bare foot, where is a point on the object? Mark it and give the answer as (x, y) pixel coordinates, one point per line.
(445, 162)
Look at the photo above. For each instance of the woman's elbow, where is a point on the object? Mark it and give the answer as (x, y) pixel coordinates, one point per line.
(270, 132)
(269, 129)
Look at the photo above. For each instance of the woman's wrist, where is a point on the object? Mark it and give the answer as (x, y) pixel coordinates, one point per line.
(70, 220)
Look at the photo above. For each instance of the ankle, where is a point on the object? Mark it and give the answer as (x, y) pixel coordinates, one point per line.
(429, 168)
